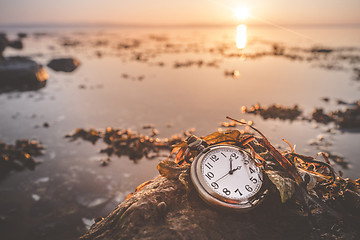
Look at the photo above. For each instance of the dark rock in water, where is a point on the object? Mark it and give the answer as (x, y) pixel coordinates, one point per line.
(22, 35)
(165, 209)
(3, 43)
(321, 50)
(64, 64)
(16, 44)
(21, 73)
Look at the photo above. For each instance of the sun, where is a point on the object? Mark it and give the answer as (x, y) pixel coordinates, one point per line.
(242, 13)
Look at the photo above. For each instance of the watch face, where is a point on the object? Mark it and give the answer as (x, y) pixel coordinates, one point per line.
(227, 175)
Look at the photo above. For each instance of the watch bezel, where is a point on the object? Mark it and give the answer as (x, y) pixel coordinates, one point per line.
(212, 197)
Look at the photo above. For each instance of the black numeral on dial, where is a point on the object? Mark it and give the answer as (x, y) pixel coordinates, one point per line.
(214, 158)
(214, 185)
(226, 191)
(209, 165)
(254, 180)
(247, 187)
(238, 191)
(209, 175)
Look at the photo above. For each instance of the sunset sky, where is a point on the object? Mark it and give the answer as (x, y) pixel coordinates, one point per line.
(165, 12)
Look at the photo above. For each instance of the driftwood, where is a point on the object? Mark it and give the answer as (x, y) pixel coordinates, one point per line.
(169, 208)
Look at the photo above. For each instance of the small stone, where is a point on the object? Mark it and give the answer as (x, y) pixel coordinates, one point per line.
(64, 64)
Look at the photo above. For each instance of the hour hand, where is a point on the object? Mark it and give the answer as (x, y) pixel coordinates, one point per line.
(237, 168)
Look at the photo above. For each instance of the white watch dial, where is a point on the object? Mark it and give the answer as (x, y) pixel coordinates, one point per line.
(231, 173)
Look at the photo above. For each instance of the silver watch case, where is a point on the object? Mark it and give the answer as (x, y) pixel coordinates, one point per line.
(213, 198)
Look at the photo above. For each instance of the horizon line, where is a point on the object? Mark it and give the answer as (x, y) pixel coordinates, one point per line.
(157, 25)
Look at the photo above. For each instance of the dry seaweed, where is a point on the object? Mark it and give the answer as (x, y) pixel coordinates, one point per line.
(19, 156)
(274, 111)
(348, 118)
(126, 142)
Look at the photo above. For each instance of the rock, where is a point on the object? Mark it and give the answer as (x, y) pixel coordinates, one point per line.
(64, 64)
(3, 43)
(164, 209)
(22, 35)
(22, 73)
(16, 44)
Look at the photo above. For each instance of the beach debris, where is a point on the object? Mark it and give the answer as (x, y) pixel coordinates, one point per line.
(21, 73)
(91, 135)
(105, 161)
(321, 50)
(19, 156)
(129, 44)
(278, 50)
(64, 64)
(127, 142)
(66, 42)
(348, 118)
(148, 126)
(232, 73)
(198, 63)
(274, 111)
(133, 77)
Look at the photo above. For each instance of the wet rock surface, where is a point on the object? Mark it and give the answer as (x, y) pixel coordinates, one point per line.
(64, 64)
(164, 209)
(21, 73)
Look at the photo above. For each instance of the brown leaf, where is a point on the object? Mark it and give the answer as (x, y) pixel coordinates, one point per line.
(170, 169)
(285, 185)
(223, 137)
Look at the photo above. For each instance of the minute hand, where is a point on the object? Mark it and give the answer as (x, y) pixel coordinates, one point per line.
(222, 177)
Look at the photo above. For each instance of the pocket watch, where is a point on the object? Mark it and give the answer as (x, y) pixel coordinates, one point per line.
(227, 176)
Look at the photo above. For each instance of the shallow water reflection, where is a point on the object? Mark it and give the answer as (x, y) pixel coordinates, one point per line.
(241, 36)
(170, 78)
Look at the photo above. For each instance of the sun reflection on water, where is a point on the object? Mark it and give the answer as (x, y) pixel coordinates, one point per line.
(241, 36)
